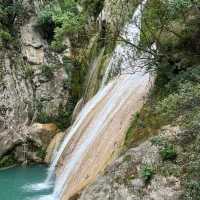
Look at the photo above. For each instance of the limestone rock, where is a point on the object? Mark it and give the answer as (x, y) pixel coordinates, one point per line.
(32, 43)
(26, 91)
(53, 146)
(42, 134)
(8, 140)
(122, 180)
(33, 55)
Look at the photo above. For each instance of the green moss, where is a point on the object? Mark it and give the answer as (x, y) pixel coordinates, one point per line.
(41, 153)
(5, 37)
(58, 20)
(47, 71)
(168, 152)
(192, 191)
(127, 158)
(147, 173)
(7, 161)
(143, 125)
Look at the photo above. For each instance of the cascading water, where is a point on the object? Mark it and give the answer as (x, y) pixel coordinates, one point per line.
(91, 141)
(79, 121)
(124, 54)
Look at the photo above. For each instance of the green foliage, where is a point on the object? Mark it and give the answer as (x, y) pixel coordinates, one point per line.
(175, 6)
(93, 7)
(61, 19)
(157, 141)
(41, 153)
(7, 161)
(180, 103)
(29, 72)
(9, 10)
(168, 152)
(5, 37)
(147, 173)
(47, 71)
(143, 125)
(77, 73)
(61, 119)
(192, 191)
(45, 22)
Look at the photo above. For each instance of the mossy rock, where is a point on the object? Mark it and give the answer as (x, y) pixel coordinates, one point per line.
(7, 161)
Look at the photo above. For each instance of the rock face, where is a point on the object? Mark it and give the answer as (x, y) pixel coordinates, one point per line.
(122, 180)
(31, 84)
(32, 43)
(116, 12)
(53, 146)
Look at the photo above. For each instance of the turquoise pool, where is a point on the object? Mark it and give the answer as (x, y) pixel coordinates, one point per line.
(23, 183)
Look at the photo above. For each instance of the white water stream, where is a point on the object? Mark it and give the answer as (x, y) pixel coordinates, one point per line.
(99, 112)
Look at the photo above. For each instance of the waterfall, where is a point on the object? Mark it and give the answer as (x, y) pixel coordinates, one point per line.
(124, 54)
(99, 129)
(79, 121)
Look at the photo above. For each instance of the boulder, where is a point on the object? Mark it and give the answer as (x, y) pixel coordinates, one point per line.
(42, 134)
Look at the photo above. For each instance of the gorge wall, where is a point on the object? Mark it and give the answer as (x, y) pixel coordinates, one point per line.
(32, 89)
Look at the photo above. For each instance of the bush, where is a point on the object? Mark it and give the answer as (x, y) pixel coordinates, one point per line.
(41, 153)
(180, 103)
(192, 191)
(147, 173)
(47, 71)
(59, 20)
(7, 161)
(93, 7)
(5, 37)
(9, 10)
(45, 23)
(168, 153)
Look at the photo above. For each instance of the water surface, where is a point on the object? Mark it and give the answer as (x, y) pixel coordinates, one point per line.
(23, 183)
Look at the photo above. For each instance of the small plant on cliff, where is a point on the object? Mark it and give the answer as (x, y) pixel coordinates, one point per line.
(5, 37)
(192, 191)
(147, 173)
(47, 71)
(168, 152)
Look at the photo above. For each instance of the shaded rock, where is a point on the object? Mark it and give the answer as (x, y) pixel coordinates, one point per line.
(53, 146)
(8, 140)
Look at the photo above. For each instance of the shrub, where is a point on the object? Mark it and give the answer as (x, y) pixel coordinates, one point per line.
(7, 161)
(47, 71)
(41, 153)
(5, 37)
(168, 153)
(94, 7)
(61, 19)
(192, 191)
(179, 103)
(147, 173)
(45, 23)
(9, 10)
(157, 141)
